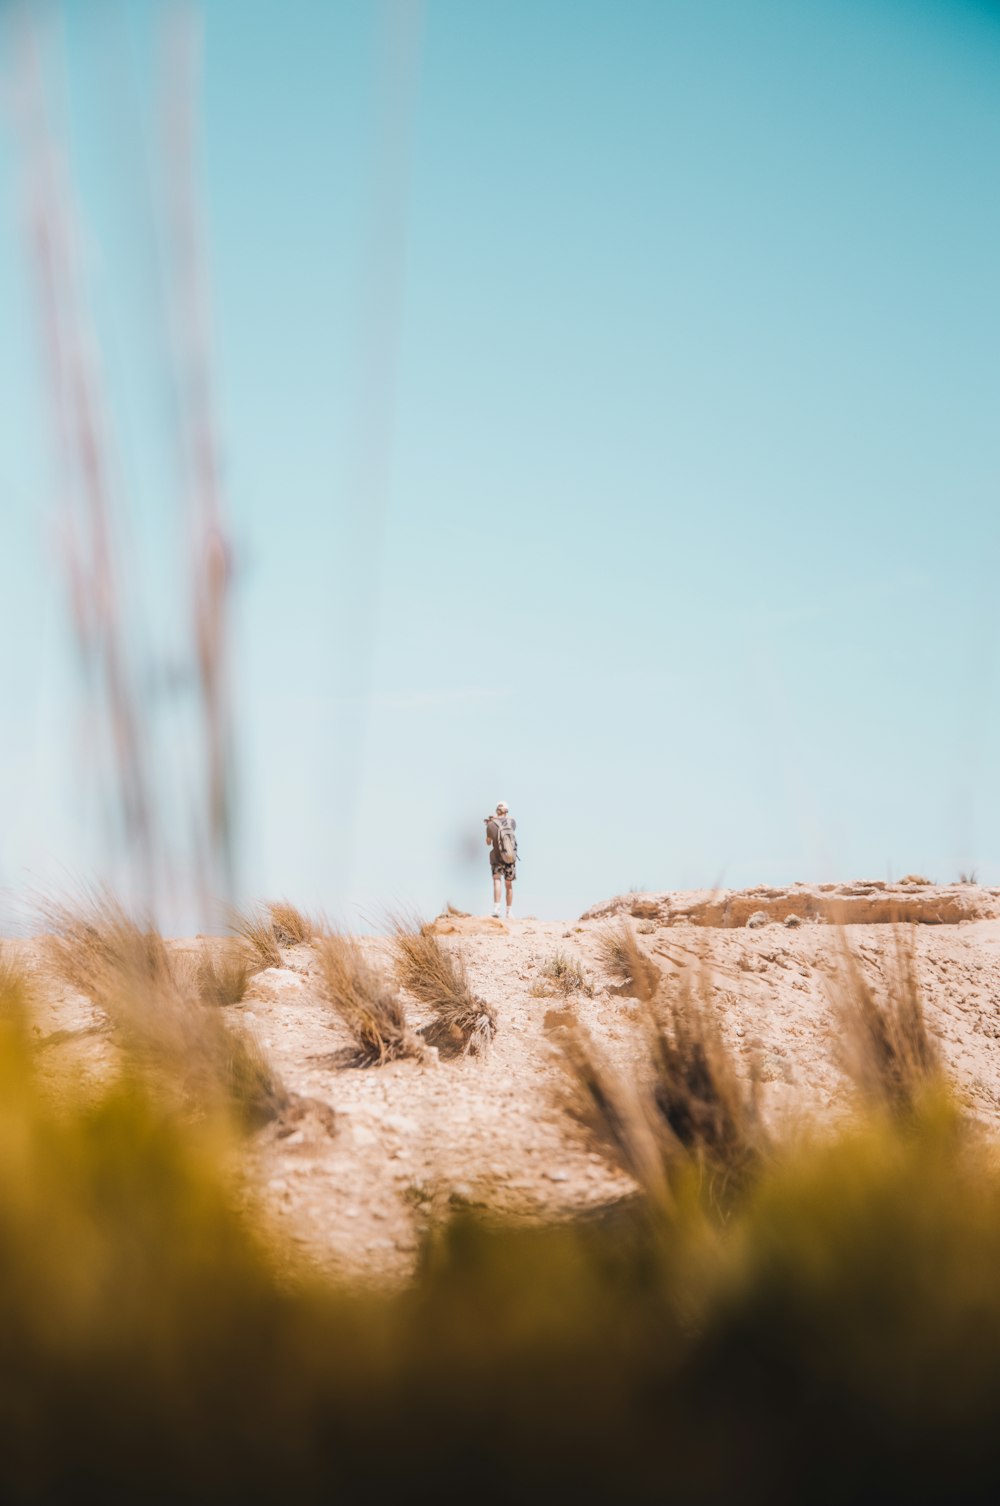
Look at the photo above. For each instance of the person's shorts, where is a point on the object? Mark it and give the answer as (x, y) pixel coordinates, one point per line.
(506, 871)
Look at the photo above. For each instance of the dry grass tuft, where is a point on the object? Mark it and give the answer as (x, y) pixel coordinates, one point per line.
(634, 972)
(699, 1096)
(252, 1083)
(887, 1048)
(463, 1022)
(616, 1113)
(158, 1010)
(94, 946)
(256, 927)
(368, 1005)
(563, 975)
(15, 989)
(17, 996)
(224, 972)
(690, 1107)
(914, 878)
(290, 926)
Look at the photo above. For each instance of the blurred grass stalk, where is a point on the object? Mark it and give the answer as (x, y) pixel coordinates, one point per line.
(101, 564)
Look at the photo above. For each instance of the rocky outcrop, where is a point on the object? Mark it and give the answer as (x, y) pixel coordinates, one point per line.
(863, 903)
(466, 925)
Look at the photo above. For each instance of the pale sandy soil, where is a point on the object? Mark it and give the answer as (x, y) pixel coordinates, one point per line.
(410, 1140)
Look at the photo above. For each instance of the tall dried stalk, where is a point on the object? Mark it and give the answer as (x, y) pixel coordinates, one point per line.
(102, 572)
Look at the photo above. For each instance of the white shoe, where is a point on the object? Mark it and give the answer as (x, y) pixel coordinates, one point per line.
(510, 915)
(496, 912)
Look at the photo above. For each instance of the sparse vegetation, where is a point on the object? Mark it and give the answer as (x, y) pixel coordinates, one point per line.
(625, 1361)
(679, 1355)
(256, 927)
(915, 879)
(367, 1003)
(563, 975)
(886, 1046)
(968, 878)
(633, 971)
(463, 1022)
(290, 926)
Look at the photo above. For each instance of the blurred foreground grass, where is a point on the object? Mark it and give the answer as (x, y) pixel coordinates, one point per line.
(835, 1336)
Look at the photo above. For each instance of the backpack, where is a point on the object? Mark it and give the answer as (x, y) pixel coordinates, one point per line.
(506, 840)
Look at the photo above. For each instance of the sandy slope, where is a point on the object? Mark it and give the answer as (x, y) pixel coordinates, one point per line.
(409, 1139)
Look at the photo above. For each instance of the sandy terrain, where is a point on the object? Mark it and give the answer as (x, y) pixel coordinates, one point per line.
(407, 1140)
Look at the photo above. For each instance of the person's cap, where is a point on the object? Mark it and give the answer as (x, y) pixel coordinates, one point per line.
(501, 807)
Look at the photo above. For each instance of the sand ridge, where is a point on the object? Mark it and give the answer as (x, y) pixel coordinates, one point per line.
(408, 1140)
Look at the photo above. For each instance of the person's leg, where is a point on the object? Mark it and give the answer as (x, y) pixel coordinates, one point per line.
(510, 897)
(496, 894)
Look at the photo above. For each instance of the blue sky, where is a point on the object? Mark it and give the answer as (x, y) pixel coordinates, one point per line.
(610, 399)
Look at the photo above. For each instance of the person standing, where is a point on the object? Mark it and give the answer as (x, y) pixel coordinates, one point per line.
(501, 839)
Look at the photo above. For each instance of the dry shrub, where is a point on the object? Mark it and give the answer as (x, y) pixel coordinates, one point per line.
(463, 1022)
(367, 1003)
(886, 1047)
(914, 878)
(257, 929)
(157, 1008)
(563, 975)
(290, 926)
(691, 1107)
(224, 972)
(633, 971)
